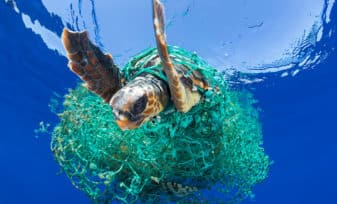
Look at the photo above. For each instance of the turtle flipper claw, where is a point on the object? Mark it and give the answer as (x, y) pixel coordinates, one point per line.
(95, 68)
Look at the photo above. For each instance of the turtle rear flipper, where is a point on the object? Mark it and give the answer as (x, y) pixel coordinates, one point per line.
(182, 95)
(87, 61)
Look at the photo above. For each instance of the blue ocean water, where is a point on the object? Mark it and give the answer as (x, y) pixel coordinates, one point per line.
(283, 51)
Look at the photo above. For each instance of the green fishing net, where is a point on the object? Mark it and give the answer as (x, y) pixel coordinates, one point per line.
(215, 147)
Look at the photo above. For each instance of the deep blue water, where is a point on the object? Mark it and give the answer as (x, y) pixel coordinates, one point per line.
(298, 113)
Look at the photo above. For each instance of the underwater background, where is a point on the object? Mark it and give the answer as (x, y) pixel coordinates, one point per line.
(282, 51)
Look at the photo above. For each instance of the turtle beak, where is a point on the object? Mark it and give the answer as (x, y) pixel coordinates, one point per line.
(126, 125)
(123, 122)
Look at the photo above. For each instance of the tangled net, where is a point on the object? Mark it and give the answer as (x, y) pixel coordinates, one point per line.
(216, 145)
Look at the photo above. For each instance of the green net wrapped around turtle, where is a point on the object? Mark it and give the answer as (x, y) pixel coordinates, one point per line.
(216, 145)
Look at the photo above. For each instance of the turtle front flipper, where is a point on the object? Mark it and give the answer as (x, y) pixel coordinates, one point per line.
(87, 61)
(182, 95)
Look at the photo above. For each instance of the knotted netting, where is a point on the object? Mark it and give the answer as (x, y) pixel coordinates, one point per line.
(216, 145)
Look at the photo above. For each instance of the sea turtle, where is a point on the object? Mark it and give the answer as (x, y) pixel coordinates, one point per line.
(181, 151)
(136, 101)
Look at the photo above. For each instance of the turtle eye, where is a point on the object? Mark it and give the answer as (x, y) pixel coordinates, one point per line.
(139, 106)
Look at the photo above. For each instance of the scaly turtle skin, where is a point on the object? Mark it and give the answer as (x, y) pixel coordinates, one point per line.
(134, 102)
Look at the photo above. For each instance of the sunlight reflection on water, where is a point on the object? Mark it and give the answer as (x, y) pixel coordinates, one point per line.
(235, 36)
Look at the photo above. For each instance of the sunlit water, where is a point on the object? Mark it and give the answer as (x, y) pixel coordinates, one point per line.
(241, 36)
(258, 42)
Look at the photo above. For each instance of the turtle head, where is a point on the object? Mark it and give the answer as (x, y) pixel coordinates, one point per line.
(137, 102)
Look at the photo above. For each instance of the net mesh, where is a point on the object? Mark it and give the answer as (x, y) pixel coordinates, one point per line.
(216, 145)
